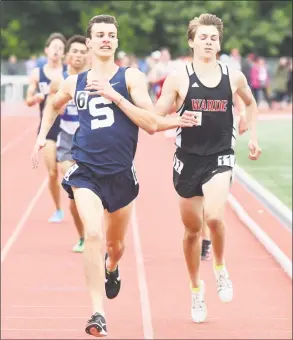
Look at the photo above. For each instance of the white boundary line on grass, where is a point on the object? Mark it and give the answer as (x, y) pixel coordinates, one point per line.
(261, 236)
(266, 197)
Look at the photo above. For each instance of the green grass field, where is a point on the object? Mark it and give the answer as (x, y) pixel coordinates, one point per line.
(274, 169)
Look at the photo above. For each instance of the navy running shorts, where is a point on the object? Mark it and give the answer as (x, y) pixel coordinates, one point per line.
(54, 131)
(191, 172)
(115, 191)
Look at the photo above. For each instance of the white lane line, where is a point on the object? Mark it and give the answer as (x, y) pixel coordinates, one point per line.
(143, 289)
(17, 140)
(22, 221)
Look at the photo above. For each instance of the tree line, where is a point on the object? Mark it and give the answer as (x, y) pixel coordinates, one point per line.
(264, 27)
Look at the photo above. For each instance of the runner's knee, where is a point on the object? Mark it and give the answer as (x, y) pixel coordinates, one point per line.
(116, 247)
(91, 232)
(53, 173)
(192, 222)
(214, 220)
(193, 227)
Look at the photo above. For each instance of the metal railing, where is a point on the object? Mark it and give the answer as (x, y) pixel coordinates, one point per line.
(13, 88)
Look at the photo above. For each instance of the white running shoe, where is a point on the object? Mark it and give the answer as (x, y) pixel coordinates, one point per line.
(198, 308)
(225, 287)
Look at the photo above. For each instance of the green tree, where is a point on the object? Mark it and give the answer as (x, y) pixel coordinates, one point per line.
(264, 27)
(11, 43)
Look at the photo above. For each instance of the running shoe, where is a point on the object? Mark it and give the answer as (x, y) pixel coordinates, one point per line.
(96, 325)
(112, 282)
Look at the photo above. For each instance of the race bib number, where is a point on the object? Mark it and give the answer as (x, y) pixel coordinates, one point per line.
(198, 115)
(226, 160)
(177, 165)
(82, 100)
(134, 174)
(70, 171)
(44, 88)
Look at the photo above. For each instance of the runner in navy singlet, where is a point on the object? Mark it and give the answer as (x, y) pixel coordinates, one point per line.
(77, 57)
(112, 103)
(37, 93)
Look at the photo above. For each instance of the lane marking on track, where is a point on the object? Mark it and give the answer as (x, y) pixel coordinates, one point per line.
(143, 289)
(16, 140)
(22, 221)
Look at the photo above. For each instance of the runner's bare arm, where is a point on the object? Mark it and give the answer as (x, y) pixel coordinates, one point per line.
(144, 118)
(142, 115)
(239, 105)
(141, 98)
(166, 105)
(138, 89)
(55, 104)
(244, 92)
(168, 96)
(55, 85)
(31, 97)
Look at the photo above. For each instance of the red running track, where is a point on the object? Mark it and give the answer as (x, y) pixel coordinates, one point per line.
(43, 287)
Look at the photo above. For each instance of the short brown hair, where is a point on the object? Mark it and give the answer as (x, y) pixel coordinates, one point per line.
(54, 36)
(107, 19)
(76, 38)
(205, 20)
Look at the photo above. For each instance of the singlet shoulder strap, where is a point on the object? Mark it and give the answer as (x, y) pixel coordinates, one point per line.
(189, 69)
(81, 77)
(225, 76)
(41, 73)
(224, 68)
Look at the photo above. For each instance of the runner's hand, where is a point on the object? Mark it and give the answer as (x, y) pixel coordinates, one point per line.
(254, 150)
(39, 97)
(40, 143)
(187, 119)
(102, 88)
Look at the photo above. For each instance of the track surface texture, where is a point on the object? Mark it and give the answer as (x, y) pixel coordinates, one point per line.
(43, 287)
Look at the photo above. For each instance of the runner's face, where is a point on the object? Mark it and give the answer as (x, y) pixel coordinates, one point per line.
(103, 41)
(77, 55)
(206, 42)
(55, 51)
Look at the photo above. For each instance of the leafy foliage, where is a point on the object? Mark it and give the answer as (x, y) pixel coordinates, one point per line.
(264, 27)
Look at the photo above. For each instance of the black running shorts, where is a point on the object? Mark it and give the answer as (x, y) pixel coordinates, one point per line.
(191, 171)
